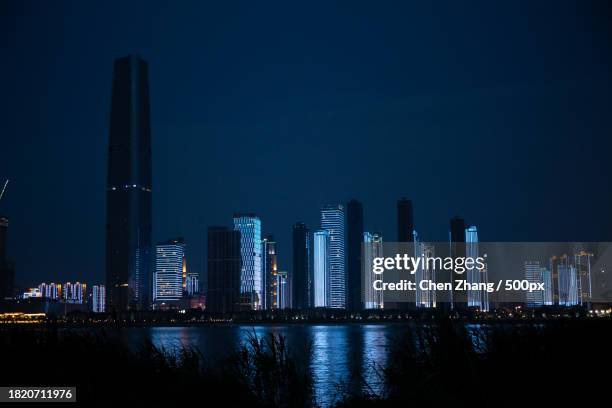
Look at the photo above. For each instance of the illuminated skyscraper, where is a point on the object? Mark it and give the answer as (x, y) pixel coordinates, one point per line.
(98, 299)
(478, 299)
(582, 261)
(301, 276)
(533, 274)
(283, 292)
(355, 236)
(568, 282)
(372, 248)
(333, 221)
(251, 276)
(169, 261)
(425, 298)
(128, 190)
(270, 266)
(224, 267)
(321, 268)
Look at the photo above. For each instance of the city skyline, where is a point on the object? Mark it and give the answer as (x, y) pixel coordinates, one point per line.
(474, 129)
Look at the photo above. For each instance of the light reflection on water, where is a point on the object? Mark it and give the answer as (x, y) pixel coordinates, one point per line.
(341, 355)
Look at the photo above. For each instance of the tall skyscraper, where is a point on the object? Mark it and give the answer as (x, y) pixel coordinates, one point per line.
(321, 269)
(283, 293)
(405, 221)
(372, 248)
(169, 262)
(251, 277)
(270, 265)
(301, 274)
(128, 193)
(333, 220)
(582, 261)
(98, 299)
(533, 274)
(355, 236)
(567, 282)
(458, 299)
(426, 271)
(224, 269)
(477, 299)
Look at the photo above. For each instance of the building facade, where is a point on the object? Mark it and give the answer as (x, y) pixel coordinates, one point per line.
(169, 267)
(224, 265)
(372, 248)
(321, 269)
(334, 222)
(301, 274)
(251, 276)
(128, 190)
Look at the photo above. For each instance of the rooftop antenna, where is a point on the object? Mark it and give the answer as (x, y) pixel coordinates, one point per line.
(4, 188)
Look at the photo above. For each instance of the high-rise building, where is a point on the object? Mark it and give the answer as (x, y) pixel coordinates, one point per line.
(355, 236)
(224, 270)
(270, 266)
(168, 278)
(98, 299)
(7, 269)
(372, 248)
(251, 276)
(128, 194)
(582, 261)
(301, 274)
(533, 274)
(50, 291)
(405, 221)
(458, 299)
(477, 299)
(74, 292)
(567, 282)
(283, 293)
(192, 286)
(426, 271)
(333, 221)
(321, 269)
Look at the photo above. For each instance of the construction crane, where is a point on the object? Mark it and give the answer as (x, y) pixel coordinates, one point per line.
(4, 188)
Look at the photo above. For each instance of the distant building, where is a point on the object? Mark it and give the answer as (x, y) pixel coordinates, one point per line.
(425, 298)
(74, 292)
(321, 268)
(405, 221)
(458, 299)
(568, 282)
(192, 285)
(301, 274)
(168, 278)
(50, 291)
(283, 298)
(270, 269)
(533, 274)
(31, 293)
(128, 190)
(251, 276)
(354, 241)
(372, 248)
(7, 269)
(477, 299)
(98, 299)
(333, 221)
(224, 270)
(582, 262)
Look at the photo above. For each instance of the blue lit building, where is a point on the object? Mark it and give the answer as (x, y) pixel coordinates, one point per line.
(477, 299)
(333, 221)
(425, 298)
(533, 274)
(321, 266)
(372, 248)
(168, 277)
(251, 274)
(567, 282)
(98, 299)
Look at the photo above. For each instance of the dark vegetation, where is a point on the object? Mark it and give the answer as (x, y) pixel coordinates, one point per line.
(443, 364)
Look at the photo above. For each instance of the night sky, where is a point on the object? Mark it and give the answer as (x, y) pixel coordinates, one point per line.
(500, 112)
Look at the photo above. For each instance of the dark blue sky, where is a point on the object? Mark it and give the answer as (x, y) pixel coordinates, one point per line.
(496, 111)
